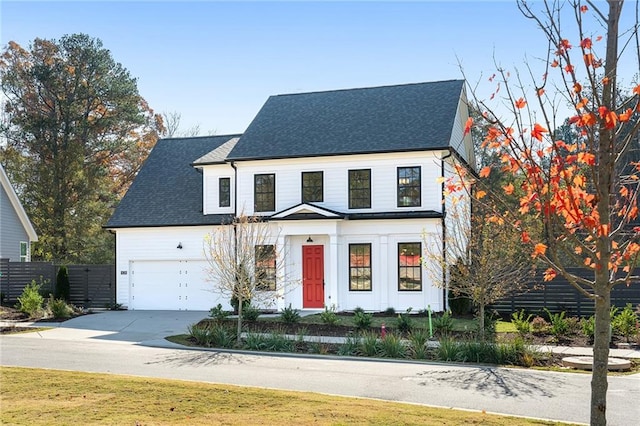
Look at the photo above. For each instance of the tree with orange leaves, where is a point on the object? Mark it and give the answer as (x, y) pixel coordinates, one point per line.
(583, 192)
(75, 131)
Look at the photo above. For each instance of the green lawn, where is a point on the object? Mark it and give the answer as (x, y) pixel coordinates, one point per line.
(52, 397)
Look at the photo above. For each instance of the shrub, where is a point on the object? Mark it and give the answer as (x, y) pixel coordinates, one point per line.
(234, 304)
(478, 351)
(418, 343)
(290, 315)
(588, 326)
(358, 309)
(349, 347)
(490, 321)
(392, 346)
(250, 313)
(625, 323)
(390, 311)
(218, 313)
(443, 324)
(404, 323)
(459, 305)
(448, 350)
(539, 325)
(368, 344)
(59, 308)
(30, 301)
(63, 287)
(521, 322)
(329, 316)
(278, 342)
(362, 320)
(559, 325)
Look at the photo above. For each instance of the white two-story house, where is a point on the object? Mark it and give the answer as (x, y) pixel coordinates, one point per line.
(350, 181)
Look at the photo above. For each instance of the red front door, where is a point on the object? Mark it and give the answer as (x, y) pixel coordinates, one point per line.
(313, 276)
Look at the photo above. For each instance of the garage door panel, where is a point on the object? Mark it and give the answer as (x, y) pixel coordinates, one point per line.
(170, 285)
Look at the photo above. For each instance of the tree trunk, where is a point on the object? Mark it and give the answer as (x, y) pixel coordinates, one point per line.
(239, 329)
(601, 341)
(481, 320)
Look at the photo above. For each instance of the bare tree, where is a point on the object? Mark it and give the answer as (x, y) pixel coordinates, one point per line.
(247, 262)
(484, 259)
(172, 121)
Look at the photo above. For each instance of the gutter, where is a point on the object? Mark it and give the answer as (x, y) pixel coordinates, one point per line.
(445, 289)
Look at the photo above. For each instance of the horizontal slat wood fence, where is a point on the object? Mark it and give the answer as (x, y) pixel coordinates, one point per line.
(91, 286)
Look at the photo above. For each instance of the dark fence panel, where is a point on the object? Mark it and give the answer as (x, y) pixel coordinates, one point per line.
(91, 286)
(16, 276)
(558, 295)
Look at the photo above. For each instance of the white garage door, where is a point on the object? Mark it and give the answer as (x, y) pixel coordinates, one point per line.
(170, 285)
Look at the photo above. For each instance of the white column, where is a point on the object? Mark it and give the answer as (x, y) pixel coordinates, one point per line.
(383, 301)
(284, 289)
(331, 280)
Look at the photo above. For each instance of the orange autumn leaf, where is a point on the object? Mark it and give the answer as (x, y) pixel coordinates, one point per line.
(508, 189)
(610, 120)
(625, 116)
(485, 172)
(525, 237)
(577, 87)
(598, 38)
(584, 9)
(481, 194)
(605, 80)
(539, 250)
(554, 64)
(520, 103)
(537, 131)
(568, 68)
(550, 274)
(586, 43)
(636, 90)
(540, 92)
(467, 126)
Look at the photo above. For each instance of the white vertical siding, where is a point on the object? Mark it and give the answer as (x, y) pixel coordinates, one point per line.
(210, 187)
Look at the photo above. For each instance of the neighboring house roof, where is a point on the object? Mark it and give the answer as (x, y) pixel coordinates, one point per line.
(168, 190)
(17, 205)
(218, 155)
(410, 117)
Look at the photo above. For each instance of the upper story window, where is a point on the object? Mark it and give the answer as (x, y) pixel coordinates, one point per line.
(312, 187)
(360, 189)
(360, 267)
(409, 186)
(265, 267)
(409, 267)
(224, 191)
(24, 251)
(264, 192)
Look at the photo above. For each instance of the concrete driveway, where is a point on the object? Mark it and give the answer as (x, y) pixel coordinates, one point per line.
(137, 327)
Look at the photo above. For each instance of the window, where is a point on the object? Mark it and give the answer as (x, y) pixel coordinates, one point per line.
(312, 190)
(265, 192)
(265, 267)
(24, 251)
(360, 189)
(409, 267)
(224, 190)
(409, 186)
(360, 267)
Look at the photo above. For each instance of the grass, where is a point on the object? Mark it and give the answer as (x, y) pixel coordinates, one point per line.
(52, 397)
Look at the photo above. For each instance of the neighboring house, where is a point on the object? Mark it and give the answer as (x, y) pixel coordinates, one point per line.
(349, 179)
(16, 230)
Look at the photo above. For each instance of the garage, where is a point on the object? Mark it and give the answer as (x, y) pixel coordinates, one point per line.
(170, 285)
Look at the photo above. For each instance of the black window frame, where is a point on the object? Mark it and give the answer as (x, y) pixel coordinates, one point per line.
(224, 193)
(414, 185)
(358, 271)
(265, 275)
(264, 200)
(362, 194)
(405, 268)
(312, 189)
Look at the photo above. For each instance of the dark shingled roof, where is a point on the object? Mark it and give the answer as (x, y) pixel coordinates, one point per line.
(379, 119)
(168, 189)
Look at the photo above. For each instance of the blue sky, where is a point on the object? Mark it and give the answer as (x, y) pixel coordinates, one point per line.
(217, 62)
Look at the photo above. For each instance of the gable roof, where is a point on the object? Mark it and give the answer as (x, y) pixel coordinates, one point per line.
(218, 155)
(379, 119)
(17, 205)
(167, 190)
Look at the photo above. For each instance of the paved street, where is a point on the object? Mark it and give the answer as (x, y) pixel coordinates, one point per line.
(557, 396)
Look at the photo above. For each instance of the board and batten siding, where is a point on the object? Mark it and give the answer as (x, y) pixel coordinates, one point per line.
(383, 167)
(156, 244)
(211, 177)
(11, 230)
